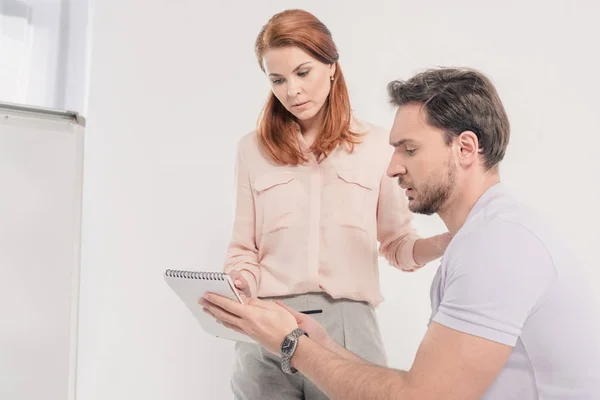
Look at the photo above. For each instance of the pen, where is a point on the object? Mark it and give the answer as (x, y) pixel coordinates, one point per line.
(312, 312)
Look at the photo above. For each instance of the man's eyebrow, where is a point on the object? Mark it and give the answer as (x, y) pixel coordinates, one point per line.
(295, 69)
(401, 142)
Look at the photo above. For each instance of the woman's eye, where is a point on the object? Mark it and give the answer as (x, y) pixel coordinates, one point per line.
(277, 81)
(303, 73)
(410, 152)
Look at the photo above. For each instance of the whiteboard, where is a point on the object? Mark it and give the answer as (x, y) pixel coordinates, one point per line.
(41, 156)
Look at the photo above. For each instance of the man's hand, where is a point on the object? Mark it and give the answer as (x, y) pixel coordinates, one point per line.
(264, 321)
(315, 330)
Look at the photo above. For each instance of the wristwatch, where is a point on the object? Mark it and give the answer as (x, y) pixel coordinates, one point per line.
(288, 347)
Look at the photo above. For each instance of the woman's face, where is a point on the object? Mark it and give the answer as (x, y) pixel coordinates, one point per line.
(300, 82)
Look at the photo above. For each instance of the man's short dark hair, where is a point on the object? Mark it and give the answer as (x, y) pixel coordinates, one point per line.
(457, 100)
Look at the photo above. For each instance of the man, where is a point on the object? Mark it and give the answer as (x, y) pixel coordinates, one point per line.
(512, 312)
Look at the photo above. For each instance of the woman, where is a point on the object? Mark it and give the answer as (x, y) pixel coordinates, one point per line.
(313, 199)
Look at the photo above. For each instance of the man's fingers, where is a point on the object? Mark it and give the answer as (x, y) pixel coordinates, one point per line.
(233, 327)
(206, 310)
(221, 314)
(226, 324)
(226, 304)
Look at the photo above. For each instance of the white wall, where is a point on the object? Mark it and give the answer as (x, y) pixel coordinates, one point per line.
(43, 53)
(173, 86)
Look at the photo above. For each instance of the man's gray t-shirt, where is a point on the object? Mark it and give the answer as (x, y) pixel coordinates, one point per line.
(508, 278)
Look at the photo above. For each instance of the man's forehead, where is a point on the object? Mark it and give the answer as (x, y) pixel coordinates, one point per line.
(411, 116)
(410, 125)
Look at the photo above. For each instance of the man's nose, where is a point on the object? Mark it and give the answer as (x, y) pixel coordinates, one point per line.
(396, 167)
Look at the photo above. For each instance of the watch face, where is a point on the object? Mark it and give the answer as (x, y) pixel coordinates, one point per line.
(288, 346)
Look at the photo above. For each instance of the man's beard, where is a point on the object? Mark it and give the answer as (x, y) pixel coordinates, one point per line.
(435, 193)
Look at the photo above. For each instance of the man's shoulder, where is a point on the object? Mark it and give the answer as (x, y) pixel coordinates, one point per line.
(497, 253)
(504, 234)
(502, 216)
(487, 231)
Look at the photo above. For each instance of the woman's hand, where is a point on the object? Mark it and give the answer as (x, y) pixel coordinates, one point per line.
(241, 284)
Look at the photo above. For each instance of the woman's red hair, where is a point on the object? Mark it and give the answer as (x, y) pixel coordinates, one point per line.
(277, 127)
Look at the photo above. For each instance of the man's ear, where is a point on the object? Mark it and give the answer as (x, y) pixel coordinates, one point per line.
(468, 146)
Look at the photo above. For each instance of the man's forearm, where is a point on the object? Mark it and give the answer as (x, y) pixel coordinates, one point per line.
(342, 378)
(333, 346)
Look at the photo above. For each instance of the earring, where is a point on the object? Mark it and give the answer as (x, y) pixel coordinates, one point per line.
(331, 78)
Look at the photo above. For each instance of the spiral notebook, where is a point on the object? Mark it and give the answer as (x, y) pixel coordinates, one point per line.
(190, 286)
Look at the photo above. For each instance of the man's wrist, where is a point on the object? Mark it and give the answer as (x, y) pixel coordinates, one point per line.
(301, 342)
(329, 344)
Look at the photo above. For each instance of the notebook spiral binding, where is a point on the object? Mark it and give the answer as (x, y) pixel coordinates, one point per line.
(211, 276)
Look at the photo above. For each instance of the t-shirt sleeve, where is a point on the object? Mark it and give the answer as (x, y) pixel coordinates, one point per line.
(495, 279)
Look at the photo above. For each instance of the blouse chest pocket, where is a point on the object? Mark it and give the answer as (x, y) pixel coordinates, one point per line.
(276, 195)
(353, 190)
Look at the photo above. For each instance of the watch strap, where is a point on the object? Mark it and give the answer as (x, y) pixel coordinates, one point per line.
(286, 365)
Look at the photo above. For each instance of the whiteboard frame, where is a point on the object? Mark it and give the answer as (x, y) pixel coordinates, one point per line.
(8, 110)
(18, 109)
